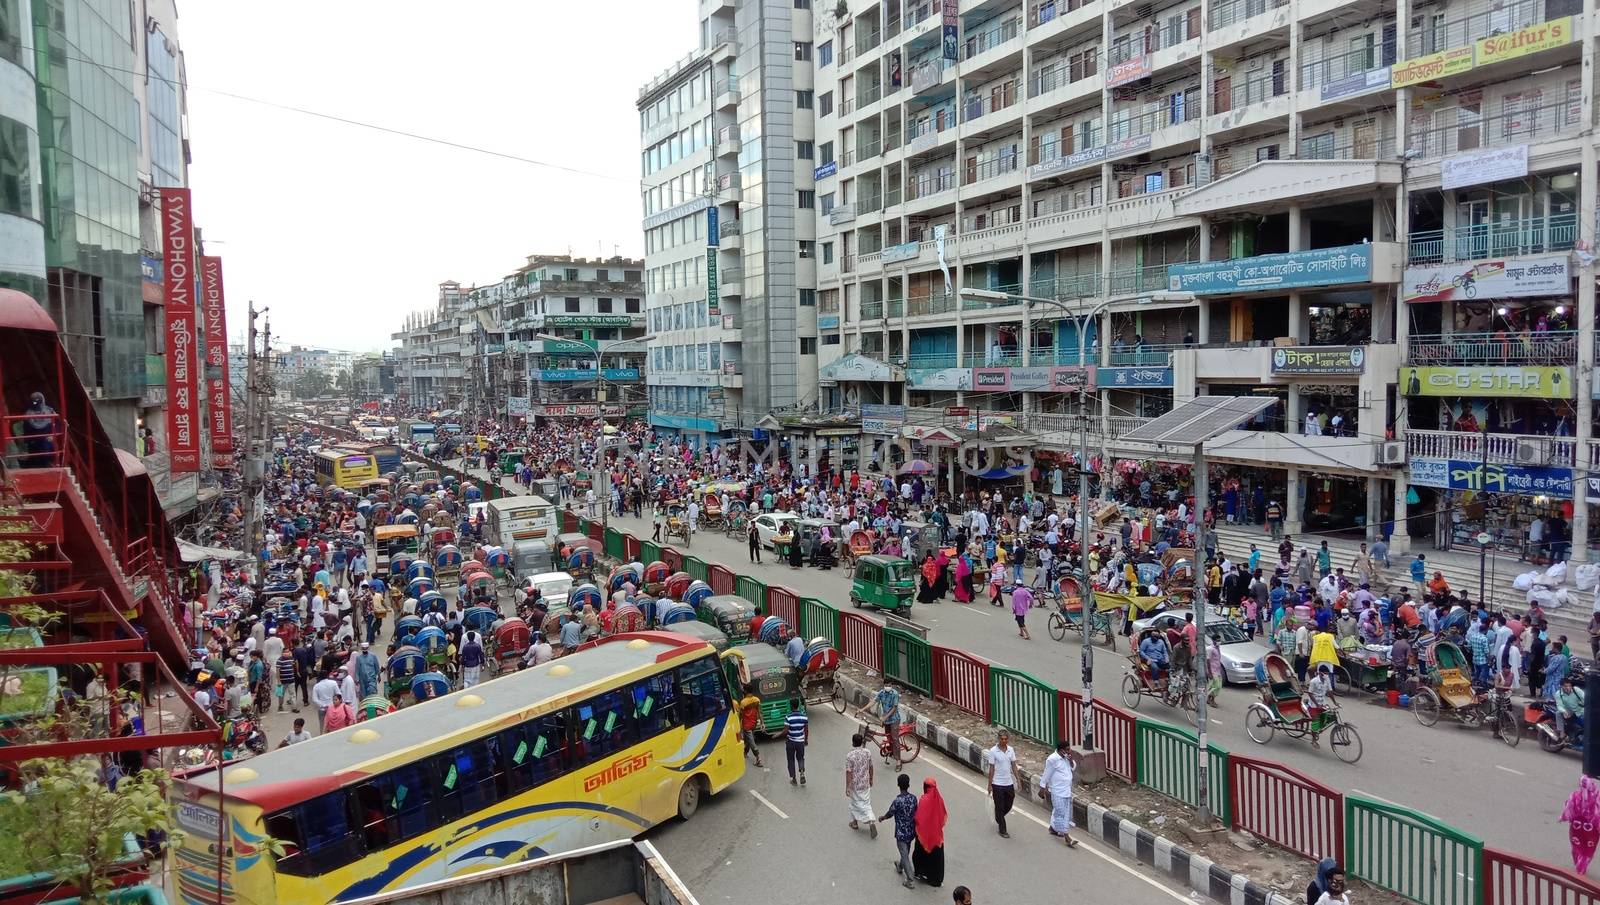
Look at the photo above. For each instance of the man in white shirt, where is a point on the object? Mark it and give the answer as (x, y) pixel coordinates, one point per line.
(322, 698)
(1002, 760)
(1056, 786)
(298, 735)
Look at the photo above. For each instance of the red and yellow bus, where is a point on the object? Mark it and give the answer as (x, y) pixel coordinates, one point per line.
(594, 747)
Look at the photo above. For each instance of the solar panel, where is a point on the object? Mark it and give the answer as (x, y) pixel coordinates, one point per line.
(1199, 420)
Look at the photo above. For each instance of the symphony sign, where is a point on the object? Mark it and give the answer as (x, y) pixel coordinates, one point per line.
(216, 333)
(177, 257)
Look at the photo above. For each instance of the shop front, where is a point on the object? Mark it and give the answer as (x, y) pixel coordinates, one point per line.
(1470, 499)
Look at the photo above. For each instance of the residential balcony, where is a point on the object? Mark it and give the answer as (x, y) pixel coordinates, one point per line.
(1149, 355)
(1249, 102)
(1232, 22)
(1379, 146)
(1504, 238)
(1496, 449)
(1057, 88)
(847, 263)
(1004, 237)
(868, 95)
(993, 44)
(930, 74)
(866, 41)
(1512, 127)
(929, 185)
(728, 94)
(1050, 19)
(725, 44)
(733, 374)
(842, 213)
(871, 311)
(895, 308)
(1473, 21)
(1065, 288)
(929, 303)
(729, 189)
(1346, 71)
(730, 282)
(729, 237)
(931, 137)
(1011, 301)
(728, 143)
(986, 105)
(1555, 347)
(1164, 126)
(982, 171)
(1138, 280)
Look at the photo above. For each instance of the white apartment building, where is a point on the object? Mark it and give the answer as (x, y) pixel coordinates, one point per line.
(1375, 213)
(727, 186)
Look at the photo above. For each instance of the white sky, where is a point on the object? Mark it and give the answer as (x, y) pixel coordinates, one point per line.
(342, 230)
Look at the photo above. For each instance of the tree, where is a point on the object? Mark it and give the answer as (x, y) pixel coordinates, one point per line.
(71, 825)
(311, 385)
(344, 382)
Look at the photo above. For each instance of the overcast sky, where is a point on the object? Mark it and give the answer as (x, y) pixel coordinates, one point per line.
(342, 230)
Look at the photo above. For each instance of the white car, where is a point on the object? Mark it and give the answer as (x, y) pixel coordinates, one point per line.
(553, 588)
(767, 525)
(1239, 653)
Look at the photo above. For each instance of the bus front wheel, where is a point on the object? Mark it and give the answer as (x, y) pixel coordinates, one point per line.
(689, 796)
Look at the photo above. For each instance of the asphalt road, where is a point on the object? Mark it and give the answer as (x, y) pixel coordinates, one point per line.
(1465, 777)
(765, 839)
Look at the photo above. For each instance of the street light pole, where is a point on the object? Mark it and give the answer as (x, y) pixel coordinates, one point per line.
(1080, 320)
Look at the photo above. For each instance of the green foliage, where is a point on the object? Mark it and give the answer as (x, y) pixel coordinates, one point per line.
(312, 384)
(69, 824)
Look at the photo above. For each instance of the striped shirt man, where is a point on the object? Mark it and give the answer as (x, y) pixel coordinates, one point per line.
(796, 729)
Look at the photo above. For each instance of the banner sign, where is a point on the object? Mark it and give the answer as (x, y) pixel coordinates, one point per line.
(713, 300)
(882, 419)
(939, 378)
(517, 406)
(579, 410)
(1484, 165)
(1359, 83)
(1431, 66)
(1502, 381)
(1128, 71)
(1523, 480)
(1088, 156)
(824, 171)
(218, 398)
(587, 320)
(1534, 275)
(902, 252)
(952, 20)
(1319, 360)
(1517, 44)
(177, 257)
(1071, 379)
(1318, 267)
(1134, 377)
(559, 347)
(991, 379)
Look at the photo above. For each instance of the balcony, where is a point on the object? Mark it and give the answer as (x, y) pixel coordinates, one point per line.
(730, 282)
(993, 37)
(1505, 238)
(929, 303)
(871, 311)
(867, 96)
(867, 41)
(981, 171)
(1497, 449)
(1555, 347)
(1481, 21)
(1012, 301)
(728, 94)
(847, 263)
(1245, 102)
(1520, 125)
(999, 98)
(929, 74)
(1146, 356)
(927, 184)
(728, 143)
(1073, 286)
(729, 236)
(931, 135)
(729, 189)
(1057, 86)
(1139, 280)
(1164, 125)
(1232, 12)
(1345, 75)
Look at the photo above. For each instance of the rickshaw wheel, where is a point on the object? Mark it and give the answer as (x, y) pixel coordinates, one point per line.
(1342, 684)
(1130, 691)
(1189, 707)
(837, 700)
(1058, 626)
(1346, 744)
(689, 795)
(1509, 726)
(1258, 723)
(1425, 706)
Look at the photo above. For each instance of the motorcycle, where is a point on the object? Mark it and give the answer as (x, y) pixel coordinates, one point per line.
(1541, 715)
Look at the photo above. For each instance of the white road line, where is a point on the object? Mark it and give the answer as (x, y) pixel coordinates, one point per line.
(770, 806)
(1379, 798)
(1086, 842)
(1509, 770)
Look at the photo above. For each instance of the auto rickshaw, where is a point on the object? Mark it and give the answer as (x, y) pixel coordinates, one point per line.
(719, 639)
(696, 593)
(677, 524)
(675, 612)
(372, 707)
(405, 664)
(429, 685)
(736, 521)
(623, 574)
(628, 618)
(883, 582)
(511, 640)
(730, 613)
(766, 673)
(510, 461)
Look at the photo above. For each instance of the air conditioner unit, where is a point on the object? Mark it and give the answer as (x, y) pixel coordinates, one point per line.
(1392, 452)
(1531, 452)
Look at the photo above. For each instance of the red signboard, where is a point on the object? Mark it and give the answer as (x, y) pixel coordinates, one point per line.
(218, 399)
(183, 405)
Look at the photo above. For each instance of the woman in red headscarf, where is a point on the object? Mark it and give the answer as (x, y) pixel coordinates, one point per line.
(927, 857)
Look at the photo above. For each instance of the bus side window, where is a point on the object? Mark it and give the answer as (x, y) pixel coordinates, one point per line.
(283, 827)
(325, 824)
(533, 753)
(604, 724)
(655, 705)
(466, 779)
(700, 688)
(371, 815)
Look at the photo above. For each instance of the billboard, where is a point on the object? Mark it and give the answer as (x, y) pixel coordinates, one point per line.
(177, 257)
(882, 419)
(1499, 381)
(1319, 360)
(1524, 480)
(1288, 270)
(219, 401)
(1113, 378)
(1534, 275)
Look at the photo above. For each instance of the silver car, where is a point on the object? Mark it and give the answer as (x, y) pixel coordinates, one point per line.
(1239, 653)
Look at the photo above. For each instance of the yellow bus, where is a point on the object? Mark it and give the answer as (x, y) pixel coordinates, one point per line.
(594, 747)
(345, 468)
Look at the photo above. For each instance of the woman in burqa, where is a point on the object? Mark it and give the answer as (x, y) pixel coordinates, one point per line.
(927, 856)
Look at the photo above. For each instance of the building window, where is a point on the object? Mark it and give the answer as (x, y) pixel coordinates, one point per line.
(572, 274)
(605, 306)
(16, 176)
(825, 104)
(1269, 152)
(808, 249)
(830, 339)
(802, 51)
(572, 306)
(631, 276)
(602, 276)
(802, 100)
(808, 345)
(825, 53)
(806, 199)
(825, 152)
(808, 298)
(827, 252)
(804, 150)
(802, 4)
(631, 306)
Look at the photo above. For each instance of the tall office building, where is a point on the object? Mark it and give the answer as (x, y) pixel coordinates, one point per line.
(1381, 215)
(21, 205)
(730, 244)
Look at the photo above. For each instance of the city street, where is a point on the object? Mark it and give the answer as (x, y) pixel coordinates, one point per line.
(763, 838)
(1465, 777)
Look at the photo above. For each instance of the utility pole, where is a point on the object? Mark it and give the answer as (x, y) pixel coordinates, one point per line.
(251, 472)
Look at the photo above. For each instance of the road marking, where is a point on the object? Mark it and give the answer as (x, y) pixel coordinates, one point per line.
(1379, 798)
(969, 608)
(770, 806)
(1086, 843)
(1509, 770)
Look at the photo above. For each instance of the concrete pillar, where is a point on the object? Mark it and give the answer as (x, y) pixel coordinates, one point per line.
(1400, 540)
(1293, 410)
(1586, 314)
(1296, 229)
(1374, 510)
(1297, 318)
(1291, 504)
(1383, 314)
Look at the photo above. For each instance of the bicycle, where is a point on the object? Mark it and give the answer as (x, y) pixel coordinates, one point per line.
(910, 742)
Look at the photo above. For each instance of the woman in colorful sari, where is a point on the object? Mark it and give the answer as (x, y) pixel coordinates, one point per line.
(1583, 813)
(963, 579)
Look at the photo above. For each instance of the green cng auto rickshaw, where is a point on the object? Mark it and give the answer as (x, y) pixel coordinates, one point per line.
(883, 582)
(766, 673)
(730, 613)
(702, 631)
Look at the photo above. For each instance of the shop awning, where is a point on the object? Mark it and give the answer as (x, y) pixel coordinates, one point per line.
(197, 553)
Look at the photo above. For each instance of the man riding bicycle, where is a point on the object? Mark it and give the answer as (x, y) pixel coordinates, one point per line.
(887, 705)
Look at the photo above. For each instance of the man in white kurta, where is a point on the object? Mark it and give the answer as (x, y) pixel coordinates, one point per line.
(1056, 784)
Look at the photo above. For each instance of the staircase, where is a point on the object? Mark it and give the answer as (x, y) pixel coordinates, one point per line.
(1460, 569)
